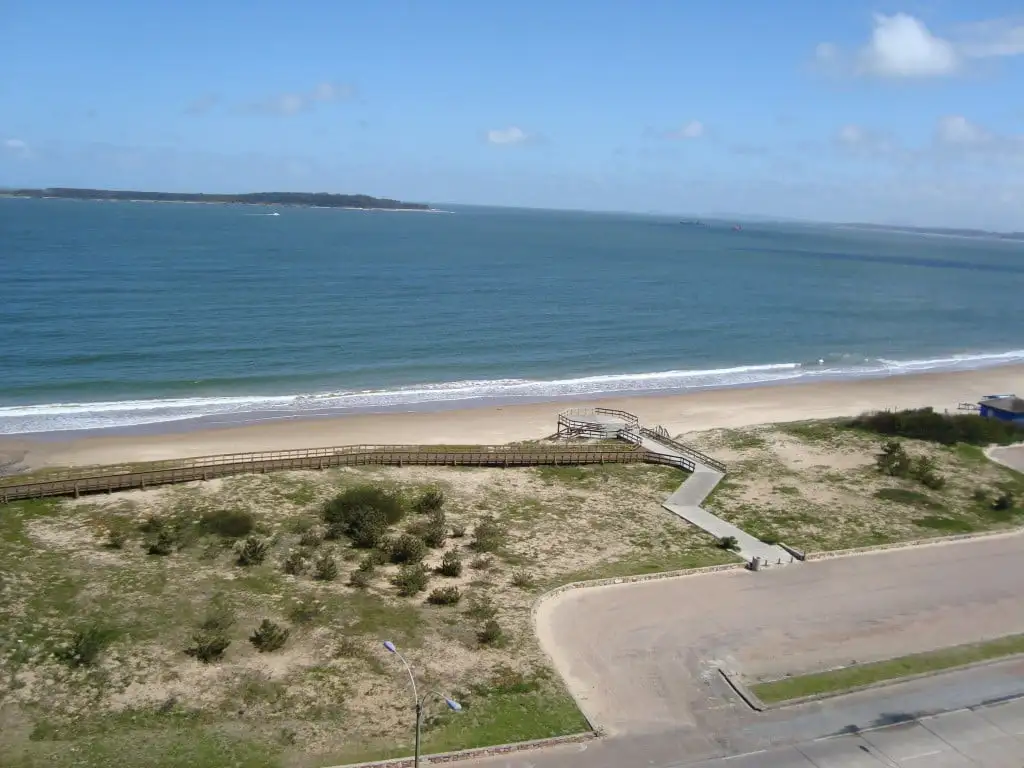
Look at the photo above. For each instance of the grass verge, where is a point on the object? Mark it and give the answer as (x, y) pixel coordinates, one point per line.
(839, 681)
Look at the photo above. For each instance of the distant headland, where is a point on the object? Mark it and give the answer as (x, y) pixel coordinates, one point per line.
(304, 199)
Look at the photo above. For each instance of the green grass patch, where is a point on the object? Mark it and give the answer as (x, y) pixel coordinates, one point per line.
(813, 431)
(838, 681)
(945, 524)
(912, 498)
(648, 562)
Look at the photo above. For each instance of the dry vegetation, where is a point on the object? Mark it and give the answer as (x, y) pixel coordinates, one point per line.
(817, 487)
(116, 610)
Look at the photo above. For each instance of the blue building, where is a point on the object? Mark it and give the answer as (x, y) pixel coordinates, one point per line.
(1003, 407)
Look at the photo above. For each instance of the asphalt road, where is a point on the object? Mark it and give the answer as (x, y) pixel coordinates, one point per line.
(641, 660)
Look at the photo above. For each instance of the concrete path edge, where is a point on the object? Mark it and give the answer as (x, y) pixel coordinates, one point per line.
(813, 556)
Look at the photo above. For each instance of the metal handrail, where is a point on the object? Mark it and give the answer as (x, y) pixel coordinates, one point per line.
(701, 458)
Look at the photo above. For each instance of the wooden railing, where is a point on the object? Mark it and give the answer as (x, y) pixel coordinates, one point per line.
(661, 435)
(209, 467)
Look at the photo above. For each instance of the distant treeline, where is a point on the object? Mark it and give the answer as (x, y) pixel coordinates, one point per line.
(948, 429)
(322, 199)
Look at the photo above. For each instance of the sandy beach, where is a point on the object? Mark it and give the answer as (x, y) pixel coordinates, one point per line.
(727, 408)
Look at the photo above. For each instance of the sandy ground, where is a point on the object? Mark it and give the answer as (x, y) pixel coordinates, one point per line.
(637, 657)
(728, 408)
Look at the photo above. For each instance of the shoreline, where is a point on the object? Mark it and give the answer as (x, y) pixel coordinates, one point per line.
(729, 408)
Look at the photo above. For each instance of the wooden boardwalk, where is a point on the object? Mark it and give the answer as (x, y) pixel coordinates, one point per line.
(107, 479)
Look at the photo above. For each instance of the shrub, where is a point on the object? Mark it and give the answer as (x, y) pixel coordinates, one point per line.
(294, 563)
(491, 633)
(325, 568)
(1003, 501)
(981, 495)
(408, 549)
(359, 579)
(436, 531)
(522, 578)
(481, 608)
(488, 536)
(411, 580)
(926, 424)
(923, 469)
(366, 529)
(84, 646)
(729, 544)
(458, 531)
(313, 536)
(161, 542)
(269, 636)
(208, 645)
(219, 615)
(482, 563)
(893, 460)
(367, 565)
(430, 501)
(252, 551)
(444, 596)
(305, 610)
(230, 523)
(451, 565)
(115, 538)
(354, 504)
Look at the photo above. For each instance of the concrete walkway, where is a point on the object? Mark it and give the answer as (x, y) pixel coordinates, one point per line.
(686, 501)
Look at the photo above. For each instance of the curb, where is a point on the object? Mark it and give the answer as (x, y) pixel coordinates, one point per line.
(469, 754)
(813, 556)
(736, 683)
(880, 684)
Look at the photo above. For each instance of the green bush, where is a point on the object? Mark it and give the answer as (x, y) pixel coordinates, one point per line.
(482, 563)
(729, 544)
(491, 633)
(451, 565)
(926, 424)
(411, 579)
(522, 578)
(489, 536)
(305, 610)
(161, 542)
(924, 471)
(295, 563)
(893, 460)
(1003, 501)
(444, 596)
(430, 501)
(363, 513)
(84, 647)
(436, 532)
(208, 645)
(408, 549)
(313, 536)
(458, 531)
(115, 538)
(268, 636)
(325, 568)
(368, 564)
(229, 523)
(359, 579)
(981, 495)
(481, 608)
(252, 551)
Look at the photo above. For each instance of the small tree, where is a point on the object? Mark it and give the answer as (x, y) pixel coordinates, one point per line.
(269, 636)
(208, 646)
(893, 459)
(924, 470)
(729, 544)
(430, 501)
(451, 565)
(252, 551)
(411, 580)
(408, 549)
(325, 568)
(491, 633)
(295, 563)
(436, 531)
(444, 596)
(489, 536)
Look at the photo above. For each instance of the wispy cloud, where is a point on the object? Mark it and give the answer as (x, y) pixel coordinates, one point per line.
(902, 46)
(510, 136)
(691, 129)
(18, 148)
(296, 102)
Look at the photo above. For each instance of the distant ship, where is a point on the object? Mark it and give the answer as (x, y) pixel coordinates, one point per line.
(275, 213)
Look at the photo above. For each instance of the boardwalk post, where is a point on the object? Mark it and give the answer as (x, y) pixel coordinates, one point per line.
(76, 490)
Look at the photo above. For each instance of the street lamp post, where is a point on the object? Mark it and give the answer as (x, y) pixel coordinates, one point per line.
(418, 700)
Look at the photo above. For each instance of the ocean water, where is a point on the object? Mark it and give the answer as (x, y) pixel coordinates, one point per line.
(116, 315)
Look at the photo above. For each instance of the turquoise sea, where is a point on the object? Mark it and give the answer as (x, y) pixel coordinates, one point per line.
(128, 314)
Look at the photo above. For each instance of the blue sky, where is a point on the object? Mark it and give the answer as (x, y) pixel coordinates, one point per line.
(838, 111)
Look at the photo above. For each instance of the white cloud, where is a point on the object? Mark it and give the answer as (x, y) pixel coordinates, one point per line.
(292, 103)
(17, 147)
(902, 46)
(507, 136)
(958, 130)
(692, 129)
